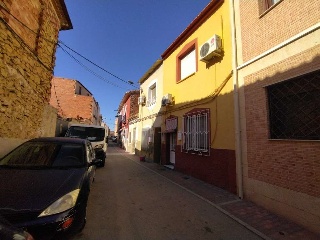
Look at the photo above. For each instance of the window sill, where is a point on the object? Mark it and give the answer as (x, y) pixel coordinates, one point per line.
(203, 153)
(270, 9)
(192, 74)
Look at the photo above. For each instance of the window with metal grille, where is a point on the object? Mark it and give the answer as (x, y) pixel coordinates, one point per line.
(294, 108)
(196, 132)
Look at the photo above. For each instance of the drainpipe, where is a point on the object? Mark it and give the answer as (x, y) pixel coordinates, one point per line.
(239, 168)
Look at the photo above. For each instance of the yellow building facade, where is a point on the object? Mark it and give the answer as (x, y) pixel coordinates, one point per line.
(198, 136)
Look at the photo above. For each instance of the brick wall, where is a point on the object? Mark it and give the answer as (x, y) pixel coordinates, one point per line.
(293, 165)
(259, 34)
(134, 107)
(26, 66)
(218, 169)
(69, 104)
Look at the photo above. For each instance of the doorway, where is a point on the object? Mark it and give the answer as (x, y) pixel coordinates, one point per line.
(173, 143)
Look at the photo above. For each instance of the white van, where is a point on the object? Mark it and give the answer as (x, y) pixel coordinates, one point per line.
(95, 134)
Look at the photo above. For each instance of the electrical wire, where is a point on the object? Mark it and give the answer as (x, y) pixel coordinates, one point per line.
(89, 70)
(127, 82)
(59, 43)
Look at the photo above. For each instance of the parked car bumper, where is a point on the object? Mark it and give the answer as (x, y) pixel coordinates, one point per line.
(55, 226)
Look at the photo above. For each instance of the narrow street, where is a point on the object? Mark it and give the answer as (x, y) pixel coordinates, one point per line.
(130, 201)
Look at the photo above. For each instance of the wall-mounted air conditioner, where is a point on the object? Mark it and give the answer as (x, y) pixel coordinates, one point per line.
(211, 48)
(141, 100)
(166, 100)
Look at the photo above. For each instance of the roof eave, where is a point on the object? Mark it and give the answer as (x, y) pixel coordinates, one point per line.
(63, 14)
(126, 96)
(151, 70)
(202, 17)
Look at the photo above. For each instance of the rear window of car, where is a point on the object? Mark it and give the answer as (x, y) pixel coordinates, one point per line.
(45, 154)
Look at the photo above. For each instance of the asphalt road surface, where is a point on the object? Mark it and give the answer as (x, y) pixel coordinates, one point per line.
(130, 201)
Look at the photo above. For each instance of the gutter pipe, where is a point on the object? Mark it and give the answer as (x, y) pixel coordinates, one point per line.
(239, 168)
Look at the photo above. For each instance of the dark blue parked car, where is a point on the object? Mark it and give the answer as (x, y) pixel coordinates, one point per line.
(45, 184)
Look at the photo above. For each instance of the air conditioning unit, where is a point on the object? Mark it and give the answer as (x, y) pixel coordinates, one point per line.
(166, 100)
(210, 49)
(141, 100)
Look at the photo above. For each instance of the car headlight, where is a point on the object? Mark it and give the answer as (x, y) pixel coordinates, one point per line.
(99, 146)
(62, 204)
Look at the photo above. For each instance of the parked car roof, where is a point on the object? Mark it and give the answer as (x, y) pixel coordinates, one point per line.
(85, 125)
(60, 139)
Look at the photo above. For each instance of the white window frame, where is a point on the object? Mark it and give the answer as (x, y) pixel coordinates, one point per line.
(152, 94)
(196, 132)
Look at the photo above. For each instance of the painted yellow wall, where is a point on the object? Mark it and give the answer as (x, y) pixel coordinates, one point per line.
(206, 80)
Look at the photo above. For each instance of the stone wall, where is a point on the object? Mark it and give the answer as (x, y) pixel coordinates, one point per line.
(28, 35)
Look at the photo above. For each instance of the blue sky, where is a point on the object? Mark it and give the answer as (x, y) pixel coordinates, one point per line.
(125, 38)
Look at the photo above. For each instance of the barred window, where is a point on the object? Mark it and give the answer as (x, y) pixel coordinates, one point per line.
(196, 132)
(294, 108)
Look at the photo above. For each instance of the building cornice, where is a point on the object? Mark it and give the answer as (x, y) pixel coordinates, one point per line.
(194, 25)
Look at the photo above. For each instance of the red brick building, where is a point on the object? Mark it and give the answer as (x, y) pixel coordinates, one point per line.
(127, 110)
(74, 102)
(278, 69)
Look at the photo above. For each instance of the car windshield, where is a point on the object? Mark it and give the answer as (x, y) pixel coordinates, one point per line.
(91, 133)
(45, 155)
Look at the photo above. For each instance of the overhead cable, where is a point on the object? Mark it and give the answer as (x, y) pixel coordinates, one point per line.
(128, 82)
(89, 70)
(59, 43)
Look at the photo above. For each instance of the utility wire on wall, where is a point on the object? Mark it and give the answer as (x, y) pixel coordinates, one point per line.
(60, 43)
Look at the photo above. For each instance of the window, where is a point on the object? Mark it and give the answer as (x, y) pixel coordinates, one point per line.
(188, 64)
(196, 132)
(294, 111)
(266, 4)
(45, 154)
(187, 61)
(152, 95)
